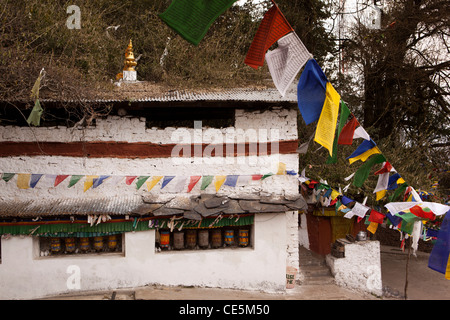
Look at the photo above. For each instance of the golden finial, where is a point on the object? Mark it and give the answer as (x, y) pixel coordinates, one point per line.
(130, 62)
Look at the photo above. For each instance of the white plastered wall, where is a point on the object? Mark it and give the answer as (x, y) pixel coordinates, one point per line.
(256, 126)
(25, 275)
(276, 240)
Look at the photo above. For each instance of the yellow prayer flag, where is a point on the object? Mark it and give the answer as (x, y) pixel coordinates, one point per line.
(23, 180)
(219, 182)
(36, 87)
(326, 127)
(372, 227)
(381, 194)
(89, 182)
(153, 182)
(364, 156)
(281, 168)
(334, 194)
(447, 270)
(400, 181)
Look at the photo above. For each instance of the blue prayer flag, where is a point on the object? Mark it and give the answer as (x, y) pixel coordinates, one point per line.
(98, 181)
(366, 145)
(34, 179)
(441, 250)
(166, 180)
(311, 91)
(231, 180)
(345, 200)
(392, 183)
(395, 220)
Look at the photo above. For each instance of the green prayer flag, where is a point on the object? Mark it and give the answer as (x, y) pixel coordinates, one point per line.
(345, 113)
(206, 181)
(407, 226)
(363, 172)
(140, 181)
(266, 176)
(192, 18)
(74, 179)
(407, 216)
(398, 191)
(35, 116)
(337, 206)
(321, 186)
(8, 176)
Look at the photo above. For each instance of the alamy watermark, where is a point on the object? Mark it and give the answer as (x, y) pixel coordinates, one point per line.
(224, 146)
(74, 20)
(73, 282)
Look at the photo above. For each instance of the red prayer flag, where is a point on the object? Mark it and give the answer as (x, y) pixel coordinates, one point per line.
(257, 176)
(60, 178)
(376, 216)
(312, 183)
(386, 168)
(129, 179)
(347, 132)
(273, 26)
(193, 182)
(420, 212)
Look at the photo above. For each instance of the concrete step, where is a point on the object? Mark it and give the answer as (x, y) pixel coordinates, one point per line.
(315, 271)
(307, 257)
(314, 268)
(318, 281)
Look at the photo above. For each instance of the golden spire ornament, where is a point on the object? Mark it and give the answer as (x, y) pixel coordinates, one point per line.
(129, 62)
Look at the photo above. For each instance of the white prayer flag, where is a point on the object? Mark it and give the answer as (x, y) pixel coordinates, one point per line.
(361, 133)
(176, 185)
(350, 176)
(383, 181)
(286, 61)
(243, 180)
(437, 208)
(358, 209)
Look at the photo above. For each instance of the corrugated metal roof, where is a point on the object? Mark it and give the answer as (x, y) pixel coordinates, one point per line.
(70, 206)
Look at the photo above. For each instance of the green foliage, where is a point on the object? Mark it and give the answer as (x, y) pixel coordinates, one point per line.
(33, 35)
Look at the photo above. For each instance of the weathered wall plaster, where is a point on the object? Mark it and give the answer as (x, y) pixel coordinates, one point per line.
(263, 267)
(25, 275)
(360, 268)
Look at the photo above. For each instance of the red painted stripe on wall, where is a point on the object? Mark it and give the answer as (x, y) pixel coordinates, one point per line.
(142, 150)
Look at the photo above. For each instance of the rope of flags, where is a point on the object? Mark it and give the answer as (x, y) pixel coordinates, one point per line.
(170, 183)
(319, 101)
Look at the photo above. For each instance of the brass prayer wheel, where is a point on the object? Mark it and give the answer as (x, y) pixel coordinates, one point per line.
(70, 244)
(55, 245)
(216, 238)
(98, 243)
(191, 238)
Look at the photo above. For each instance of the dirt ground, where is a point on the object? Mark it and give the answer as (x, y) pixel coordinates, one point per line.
(423, 282)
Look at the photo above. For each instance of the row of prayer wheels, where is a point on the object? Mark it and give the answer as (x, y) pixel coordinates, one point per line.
(204, 238)
(84, 244)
